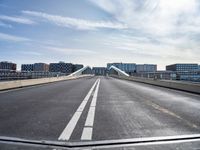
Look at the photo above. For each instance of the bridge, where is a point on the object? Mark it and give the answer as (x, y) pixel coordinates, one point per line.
(83, 107)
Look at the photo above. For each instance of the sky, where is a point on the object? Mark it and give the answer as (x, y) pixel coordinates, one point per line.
(97, 32)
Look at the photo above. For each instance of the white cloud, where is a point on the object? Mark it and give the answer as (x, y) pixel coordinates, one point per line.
(143, 49)
(156, 17)
(65, 50)
(12, 38)
(165, 30)
(16, 19)
(32, 53)
(5, 25)
(74, 22)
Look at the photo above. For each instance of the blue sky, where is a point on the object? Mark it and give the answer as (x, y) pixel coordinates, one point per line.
(95, 32)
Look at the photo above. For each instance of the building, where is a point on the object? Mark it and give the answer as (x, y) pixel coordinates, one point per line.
(162, 75)
(77, 67)
(41, 67)
(37, 67)
(27, 67)
(188, 75)
(199, 67)
(182, 67)
(146, 68)
(126, 67)
(5, 65)
(99, 71)
(61, 67)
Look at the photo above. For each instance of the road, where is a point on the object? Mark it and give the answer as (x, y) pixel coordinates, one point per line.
(97, 108)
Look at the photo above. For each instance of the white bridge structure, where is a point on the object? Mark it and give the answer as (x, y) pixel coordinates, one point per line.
(117, 71)
(80, 71)
(111, 70)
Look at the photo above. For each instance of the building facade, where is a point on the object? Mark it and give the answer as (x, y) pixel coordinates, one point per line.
(61, 67)
(188, 75)
(27, 67)
(41, 67)
(163, 75)
(182, 67)
(5, 65)
(77, 67)
(126, 67)
(100, 71)
(146, 68)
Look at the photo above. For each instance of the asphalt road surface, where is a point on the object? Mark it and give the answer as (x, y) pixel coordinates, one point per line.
(97, 108)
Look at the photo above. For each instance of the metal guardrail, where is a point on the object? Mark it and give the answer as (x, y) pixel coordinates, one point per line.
(7, 76)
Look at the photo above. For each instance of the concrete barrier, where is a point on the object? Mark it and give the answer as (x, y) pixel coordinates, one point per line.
(184, 86)
(30, 82)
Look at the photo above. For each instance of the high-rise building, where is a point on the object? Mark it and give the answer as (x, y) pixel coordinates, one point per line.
(27, 67)
(127, 67)
(5, 65)
(61, 67)
(99, 71)
(77, 67)
(182, 67)
(40, 67)
(146, 68)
